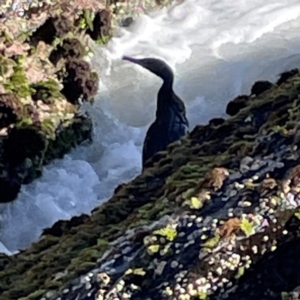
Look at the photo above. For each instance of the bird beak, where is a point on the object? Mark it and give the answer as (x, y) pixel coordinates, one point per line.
(131, 59)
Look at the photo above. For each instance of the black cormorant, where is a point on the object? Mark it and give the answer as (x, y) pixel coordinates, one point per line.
(171, 122)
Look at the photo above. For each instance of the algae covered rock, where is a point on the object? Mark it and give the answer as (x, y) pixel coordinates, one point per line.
(237, 104)
(44, 79)
(213, 217)
(260, 86)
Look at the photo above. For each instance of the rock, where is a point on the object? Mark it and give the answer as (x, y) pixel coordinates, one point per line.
(260, 86)
(9, 187)
(286, 75)
(216, 122)
(126, 22)
(234, 106)
(214, 215)
(45, 79)
(101, 28)
(8, 110)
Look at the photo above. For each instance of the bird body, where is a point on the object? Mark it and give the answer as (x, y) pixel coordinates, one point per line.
(171, 122)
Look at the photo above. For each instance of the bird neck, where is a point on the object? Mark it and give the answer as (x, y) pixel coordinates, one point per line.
(164, 99)
(167, 81)
(167, 84)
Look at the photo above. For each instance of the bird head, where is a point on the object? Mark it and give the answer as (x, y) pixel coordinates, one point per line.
(154, 65)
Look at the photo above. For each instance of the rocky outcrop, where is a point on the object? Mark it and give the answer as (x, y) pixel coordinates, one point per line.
(44, 78)
(216, 216)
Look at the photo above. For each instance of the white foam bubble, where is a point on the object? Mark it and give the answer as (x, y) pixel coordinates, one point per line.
(217, 49)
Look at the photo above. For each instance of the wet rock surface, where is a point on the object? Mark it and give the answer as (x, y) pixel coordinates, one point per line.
(216, 216)
(237, 104)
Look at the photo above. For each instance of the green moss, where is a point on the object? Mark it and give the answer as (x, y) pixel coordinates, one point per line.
(152, 249)
(240, 146)
(48, 128)
(84, 267)
(195, 203)
(4, 36)
(103, 40)
(82, 23)
(240, 272)
(88, 19)
(18, 83)
(212, 242)
(3, 65)
(24, 36)
(247, 227)
(24, 121)
(102, 242)
(34, 296)
(87, 254)
(150, 211)
(297, 214)
(190, 192)
(48, 91)
(202, 296)
(168, 232)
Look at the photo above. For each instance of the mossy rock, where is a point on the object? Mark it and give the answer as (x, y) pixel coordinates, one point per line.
(44, 80)
(203, 222)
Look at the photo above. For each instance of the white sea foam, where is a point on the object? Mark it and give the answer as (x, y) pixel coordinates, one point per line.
(217, 49)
